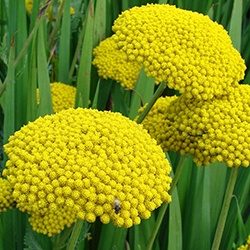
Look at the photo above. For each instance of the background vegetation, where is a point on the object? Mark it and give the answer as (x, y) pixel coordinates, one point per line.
(41, 47)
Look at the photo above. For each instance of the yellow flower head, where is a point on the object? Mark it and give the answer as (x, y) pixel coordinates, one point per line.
(211, 130)
(63, 96)
(6, 199)
(84, 164)
(113, 63)
(246, 246)
(185, 49)
(157, 121)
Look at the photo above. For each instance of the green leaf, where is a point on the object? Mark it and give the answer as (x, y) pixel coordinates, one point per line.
(142, 93)
(84, 73)
(120, 99)
(235, 24)
(175, 223)
(8, 98)
(112, 237)
(104, 94)
(100, 22)
(64, 45)
(197, 214)
(45, 103)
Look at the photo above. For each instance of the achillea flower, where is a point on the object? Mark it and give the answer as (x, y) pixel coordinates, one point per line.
(246, 246)
(84, 164)
(63, 96)
(6, 199)
(185, 49)
(114, 64)
(156, 122)
(211, 130)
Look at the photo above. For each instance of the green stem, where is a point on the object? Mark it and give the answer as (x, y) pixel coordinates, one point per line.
(156, 95)
(57, 25)
(225, 208)
(75, 235)
(77, 51)
(28, 41)
(164, 207)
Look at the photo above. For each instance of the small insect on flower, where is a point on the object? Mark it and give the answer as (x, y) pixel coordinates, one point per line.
(117, 206)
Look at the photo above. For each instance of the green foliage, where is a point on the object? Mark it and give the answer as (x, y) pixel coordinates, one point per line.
(37, 49)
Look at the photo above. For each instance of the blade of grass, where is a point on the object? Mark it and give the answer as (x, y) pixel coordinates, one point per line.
(218, 185)
(32, 84)
(235, 24)
(156, 95)
(112, 237)
(104, 94)
(184, 184)
(8, 98)
(175, 225)
(227, 12)
(120, 99)
(242, 192)
(45, 103)
(22, 68)
(225, 209)
(84, 73)
(100, 22)
(199, 221)
(77, 51)
(34, 14)
(164, 207)
(142, 93)
(242, 233)
(95, 100)
(64, 45)
(56, 27)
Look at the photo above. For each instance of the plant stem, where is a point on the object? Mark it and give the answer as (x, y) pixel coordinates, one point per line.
(75, 235)
(225, 208)
(156, 95)
(164, 207)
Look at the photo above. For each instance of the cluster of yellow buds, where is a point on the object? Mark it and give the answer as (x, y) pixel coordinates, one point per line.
(84, 164)
(185, 49)
(211, 130)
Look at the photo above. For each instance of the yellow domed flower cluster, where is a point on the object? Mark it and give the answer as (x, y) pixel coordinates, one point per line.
(63, 96)
(246, 246)
(156, 122)
(210, 130)
(185, 49)
(6, 199)
(114, 64)
(103, 166)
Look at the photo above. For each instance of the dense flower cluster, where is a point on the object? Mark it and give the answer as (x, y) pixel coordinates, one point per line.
(63, 96)
(246, 246)
(210, 130)
(113, 63)
(185, 49)
(6, 199)
(83, 164)
(156, 122)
